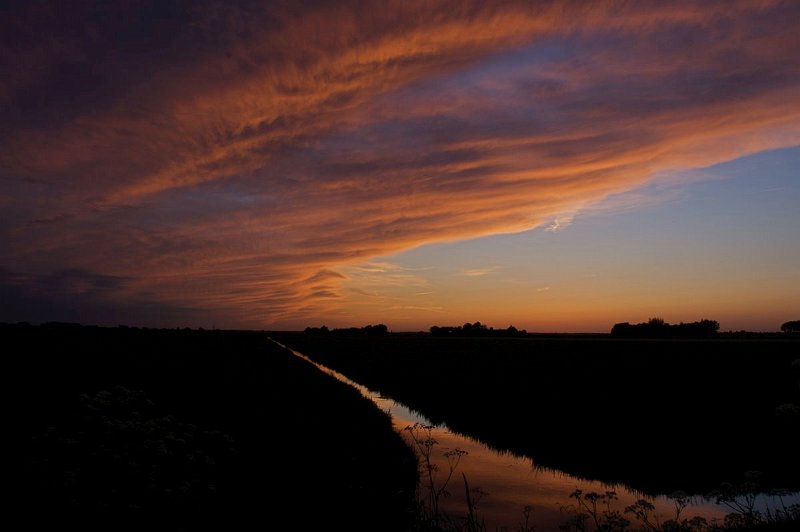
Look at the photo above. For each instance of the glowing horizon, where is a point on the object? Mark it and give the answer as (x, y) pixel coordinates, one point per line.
(277, 167)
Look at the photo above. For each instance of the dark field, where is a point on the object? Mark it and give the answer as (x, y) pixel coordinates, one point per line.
(196, 430)
(656, 415)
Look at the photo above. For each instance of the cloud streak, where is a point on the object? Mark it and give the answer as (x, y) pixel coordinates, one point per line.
(233, 160)
(479, 272)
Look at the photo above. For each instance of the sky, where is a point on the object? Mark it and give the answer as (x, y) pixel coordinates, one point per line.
(559, 166)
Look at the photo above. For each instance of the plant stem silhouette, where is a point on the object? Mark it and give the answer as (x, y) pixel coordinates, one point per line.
(424, 443)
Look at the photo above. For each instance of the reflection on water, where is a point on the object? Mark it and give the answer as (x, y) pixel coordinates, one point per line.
(509, 482)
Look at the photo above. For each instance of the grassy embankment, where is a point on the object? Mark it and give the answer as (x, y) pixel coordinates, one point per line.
(197, 430)
(656, 415)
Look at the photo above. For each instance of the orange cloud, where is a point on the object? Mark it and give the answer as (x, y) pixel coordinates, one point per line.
(230, 160)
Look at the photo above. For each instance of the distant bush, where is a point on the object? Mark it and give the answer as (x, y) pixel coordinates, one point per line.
(658, 328)
(475, 329)
(368, 330)
(791, 327)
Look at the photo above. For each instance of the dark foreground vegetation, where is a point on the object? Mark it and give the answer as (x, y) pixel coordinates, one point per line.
(657, 415)
(196, 430)
(199, 430)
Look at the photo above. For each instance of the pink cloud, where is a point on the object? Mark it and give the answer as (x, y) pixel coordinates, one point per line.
(233, 165)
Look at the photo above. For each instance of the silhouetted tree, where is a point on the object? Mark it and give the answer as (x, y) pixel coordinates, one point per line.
(658, 328)
(696, 329)
(475, 329)
(622, 330)
(376, 330)
(368, 330)
(791, 327)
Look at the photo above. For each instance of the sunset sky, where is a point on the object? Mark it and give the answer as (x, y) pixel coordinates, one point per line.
(552, 165)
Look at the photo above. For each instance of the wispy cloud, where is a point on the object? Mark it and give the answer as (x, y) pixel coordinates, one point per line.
(560, 222)
(245, 160)
(436, 309)
(385, 273)
(479, 272)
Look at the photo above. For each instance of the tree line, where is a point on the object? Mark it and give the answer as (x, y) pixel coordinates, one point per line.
(658, 328)
(475, 329)
(653, 328)
(368, 330)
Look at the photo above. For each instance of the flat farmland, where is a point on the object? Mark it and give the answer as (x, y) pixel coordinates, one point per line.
(656, 415)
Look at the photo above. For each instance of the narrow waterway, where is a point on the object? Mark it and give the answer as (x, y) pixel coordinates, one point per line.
(504, 484)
